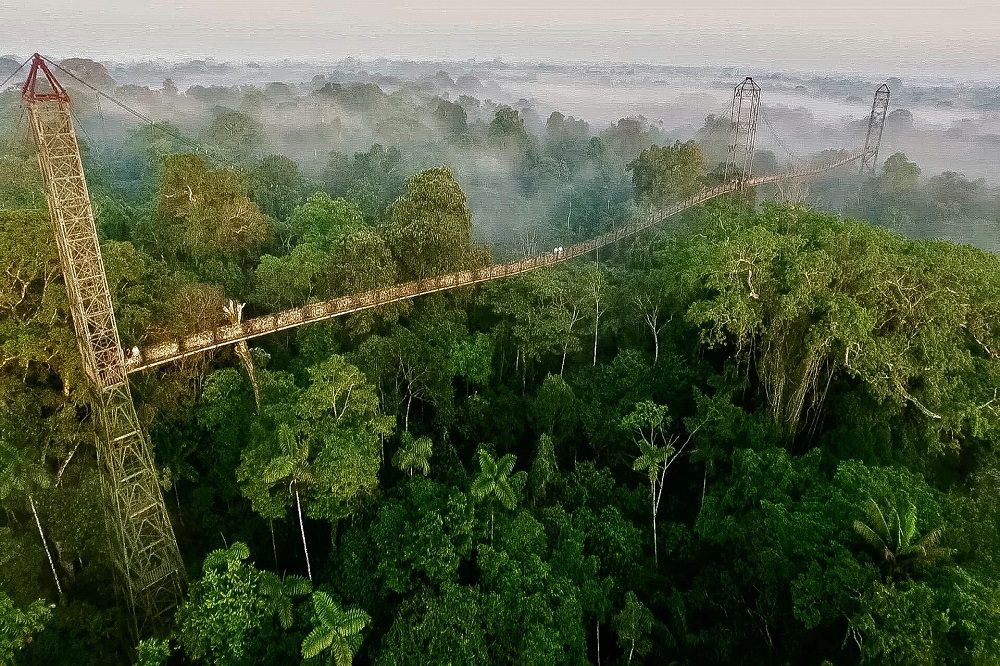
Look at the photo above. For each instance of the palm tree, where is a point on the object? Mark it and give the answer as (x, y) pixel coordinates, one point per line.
(896, 539)
(229, 558)
(648, 421)
(414, 454)
(336, 631)
(280, 591)
(292, 465)
(653, 460)
(494, 482)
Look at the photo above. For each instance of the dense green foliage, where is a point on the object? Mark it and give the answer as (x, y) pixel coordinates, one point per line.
(764, 436)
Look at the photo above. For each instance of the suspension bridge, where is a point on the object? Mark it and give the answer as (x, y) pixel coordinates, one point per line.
(150, 570)
(222, 336)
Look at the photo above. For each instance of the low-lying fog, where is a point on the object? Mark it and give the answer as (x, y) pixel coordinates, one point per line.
(942, 123)
(303, 111)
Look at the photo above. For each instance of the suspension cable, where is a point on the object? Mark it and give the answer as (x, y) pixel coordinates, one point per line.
(796, 160)
(3, 86)
(12, 138)
(124, 209)
(146, 119)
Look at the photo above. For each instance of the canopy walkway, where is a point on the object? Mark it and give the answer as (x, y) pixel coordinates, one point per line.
(221, 336)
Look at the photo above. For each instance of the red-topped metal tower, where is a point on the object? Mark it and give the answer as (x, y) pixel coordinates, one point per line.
(144, 546)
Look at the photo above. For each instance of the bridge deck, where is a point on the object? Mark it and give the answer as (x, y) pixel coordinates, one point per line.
(221, 336)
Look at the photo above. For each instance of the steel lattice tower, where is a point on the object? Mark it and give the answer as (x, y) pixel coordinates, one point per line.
(876, 124)
(144, 546)
(746, 103)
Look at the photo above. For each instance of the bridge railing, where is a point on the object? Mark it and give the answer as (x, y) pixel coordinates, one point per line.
(231, 333)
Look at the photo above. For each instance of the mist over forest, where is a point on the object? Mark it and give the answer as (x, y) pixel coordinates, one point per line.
(306, 110)
(762, 429)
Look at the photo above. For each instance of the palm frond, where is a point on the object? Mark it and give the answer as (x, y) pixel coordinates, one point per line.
(506, 464)
(278, 469)
(642, 464)
(271, 585)
(316, 641)
(481, 487)
(869, 535)
(354, 641)
(303, 476)
(12, 475)
(505, 493)
(424, 447)
(219, 557)
(240, 550)
(931, 539)
(897, 528)
(877, 521)
(353, 621)
(909, 527)
(215, 559)
(297, 586)
(927, 550)
(935, 553)
(288, 441)
(327, 610)
(487, 464)
(283, 608)
(343, 655)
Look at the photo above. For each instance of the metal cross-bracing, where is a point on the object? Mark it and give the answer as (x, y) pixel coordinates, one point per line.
(746, 103)
(149, 561)
(144, 546)
(876, 125)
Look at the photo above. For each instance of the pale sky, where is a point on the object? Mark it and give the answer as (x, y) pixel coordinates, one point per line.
(880, 34)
